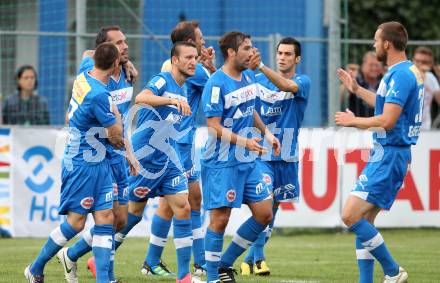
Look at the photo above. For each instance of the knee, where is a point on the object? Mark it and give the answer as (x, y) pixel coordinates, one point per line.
(264, 217)
(104, 217)
(78, 226)
(348, 218)
(183, 210)
(219, 223)
(120, 223)
(195, 201)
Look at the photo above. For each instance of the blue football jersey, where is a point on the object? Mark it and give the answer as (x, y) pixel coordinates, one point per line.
(121, 92)
(89, 113)
(234, 101)
(194, 85)
(402, 85)
(158, 129)
(283, 112)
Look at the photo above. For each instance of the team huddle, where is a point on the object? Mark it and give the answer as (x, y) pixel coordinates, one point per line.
(253, 115)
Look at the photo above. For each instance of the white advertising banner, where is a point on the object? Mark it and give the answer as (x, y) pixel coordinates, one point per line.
(330, 162)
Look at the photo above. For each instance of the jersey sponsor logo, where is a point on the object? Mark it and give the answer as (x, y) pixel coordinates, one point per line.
(230, 195)
(215, 94)
(122, 95)
(239, 114)
(80, 88)
(240, 96)
(271, 111)
(141, 192)
(87, 202)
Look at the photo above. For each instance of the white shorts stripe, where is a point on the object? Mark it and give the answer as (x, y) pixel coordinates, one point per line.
(198, 233)
(58, 237)
(373, 243)
(241, 241)
(88, 237)
(361, 195)
(155, 240)
(105, 242)
(213, 256)
(363, 254)
(183, 242)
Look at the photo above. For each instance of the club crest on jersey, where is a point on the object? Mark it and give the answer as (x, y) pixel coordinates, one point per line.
(141, 192)
(115, 188)
(87, 202)
(230, 195)
(267, 179)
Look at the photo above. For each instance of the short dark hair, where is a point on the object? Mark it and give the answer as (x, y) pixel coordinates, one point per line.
(291, 41)
(105, 55)
(176, 46)
(20, 72)
(424, 50)
(184, 31)
(232, 39)
(395, 33)
(102, 35)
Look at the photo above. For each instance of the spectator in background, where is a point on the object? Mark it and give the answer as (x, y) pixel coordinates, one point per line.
(369, 77)
(25, 107)
(435, 109)
(423, 58)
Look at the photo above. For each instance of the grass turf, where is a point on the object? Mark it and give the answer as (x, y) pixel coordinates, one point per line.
(311, 257)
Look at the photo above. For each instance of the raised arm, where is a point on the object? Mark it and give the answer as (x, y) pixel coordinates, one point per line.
(350, 83)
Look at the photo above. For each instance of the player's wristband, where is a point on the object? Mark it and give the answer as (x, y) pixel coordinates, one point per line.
(261, 65)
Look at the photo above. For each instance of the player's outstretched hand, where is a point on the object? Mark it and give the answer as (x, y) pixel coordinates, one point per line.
(182, 107)
(255, 60)
(344, 118)
(274, 142)
(131, 72)
(254, 145)
(207, 58)
(348, 80)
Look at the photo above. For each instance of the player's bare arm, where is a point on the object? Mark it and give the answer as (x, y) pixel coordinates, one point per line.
(386, 120)
(114, 132)
(282, 83)
(148, 97)
(351, 84)
(214, 123)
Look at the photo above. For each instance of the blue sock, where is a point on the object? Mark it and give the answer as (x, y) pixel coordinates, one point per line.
(373, 242)
(183, 240)
(111, 270)
(102, 249)
(58, 238)
(243, 239)
(198, 242)
(250, 255)
(132, 220)
(158, 239)
(271, 224)
(213, 252)
(82, 246)
(365, 263)
(258, 246)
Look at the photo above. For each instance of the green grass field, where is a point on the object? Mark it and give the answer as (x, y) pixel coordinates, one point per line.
(304, 257)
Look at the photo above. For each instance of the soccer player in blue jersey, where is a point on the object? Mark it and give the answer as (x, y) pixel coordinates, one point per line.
(121, 91)
(154, 145)
(398, 115)
(86, 183)
(161, 222)
(231, 174)
(281, 104)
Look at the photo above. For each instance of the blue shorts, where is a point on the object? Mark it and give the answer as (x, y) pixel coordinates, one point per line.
(285, 179)
(144, 186)
(235, 185)
(86, 188)
(186, 157)
(120, 182)
(383, 176)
